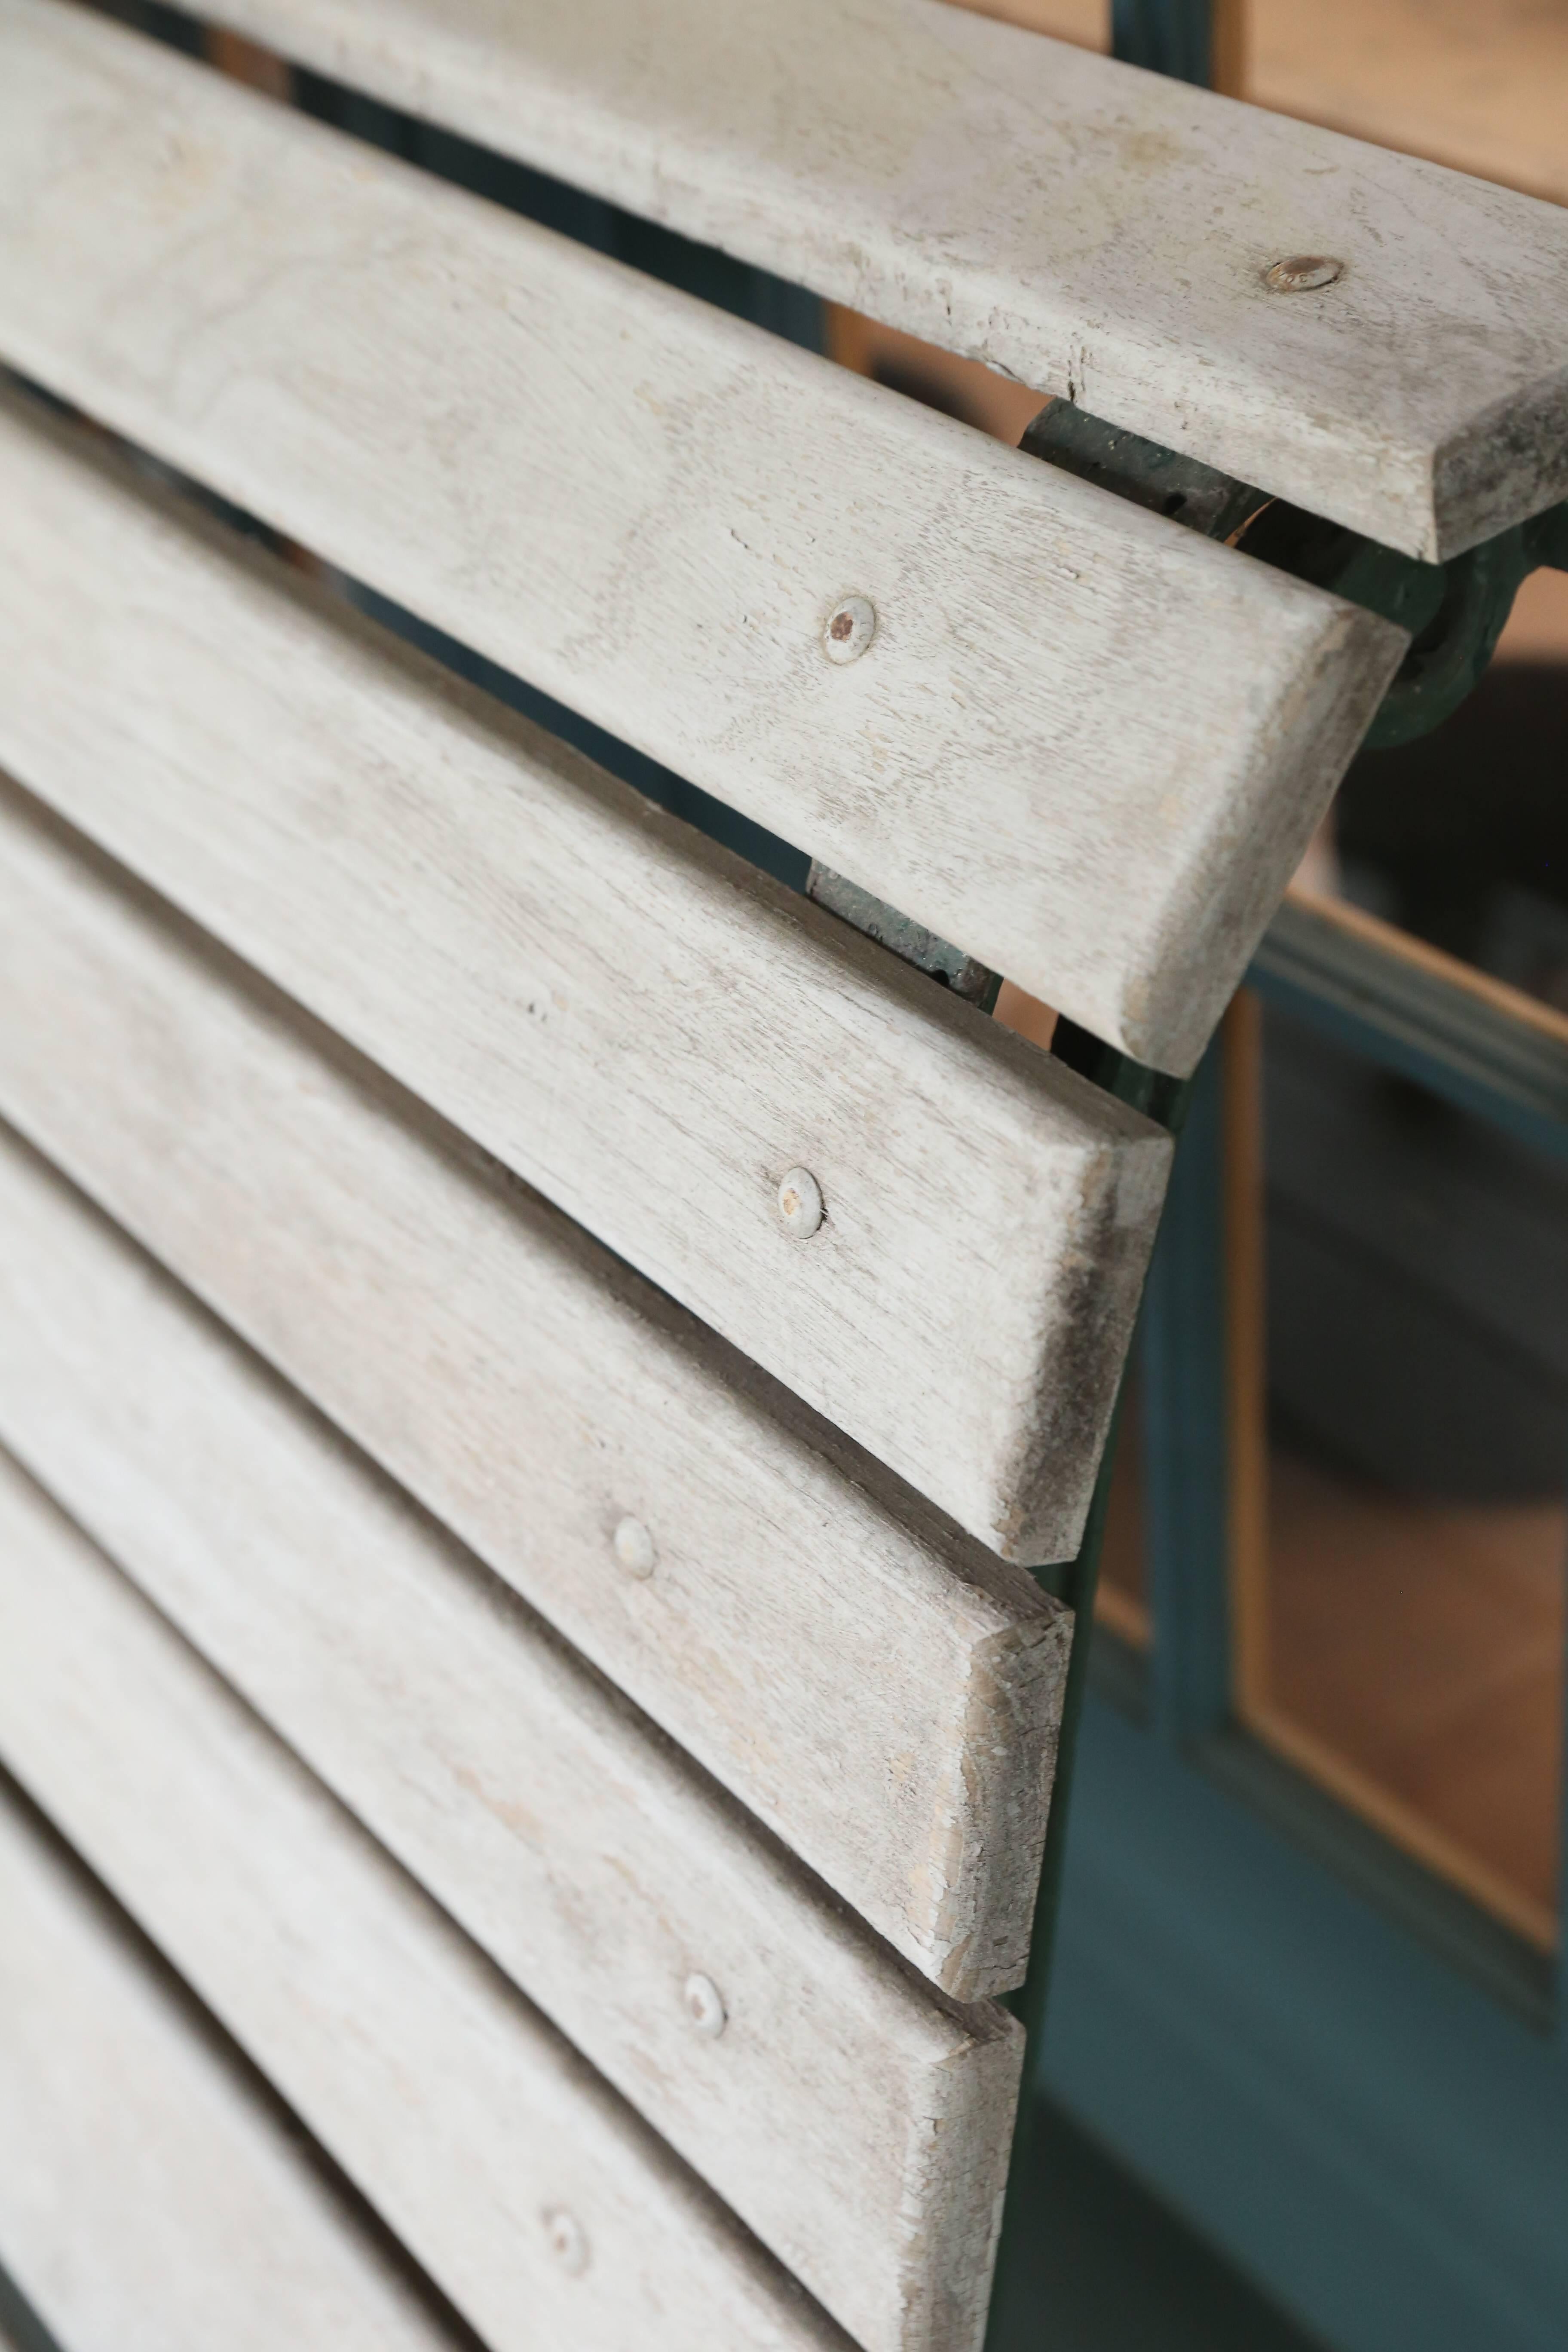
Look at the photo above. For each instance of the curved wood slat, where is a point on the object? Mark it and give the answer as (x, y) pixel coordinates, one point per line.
(883, 1692)
(529, 2193)
(1095, 231)
(629, 1017)
(1084, 745)
(151, 2197)
(601, 1872)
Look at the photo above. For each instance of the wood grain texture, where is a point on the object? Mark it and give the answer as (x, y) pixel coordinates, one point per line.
(466, 2121)
(880, 1690)
(627, 1016)
(860, 2124)
(152, 2199)
(1092, 230)
(1085, 745)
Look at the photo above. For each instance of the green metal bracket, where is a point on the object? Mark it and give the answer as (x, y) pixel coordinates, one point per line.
(909, 941)
(1454, 611)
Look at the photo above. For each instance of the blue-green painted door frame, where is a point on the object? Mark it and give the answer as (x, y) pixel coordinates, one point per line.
(1352, 2087)
(1330, 2064)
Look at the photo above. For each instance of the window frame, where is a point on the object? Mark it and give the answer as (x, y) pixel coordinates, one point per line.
(1393, 1001)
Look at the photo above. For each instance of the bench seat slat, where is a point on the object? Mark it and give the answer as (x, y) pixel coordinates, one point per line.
(881, 1691)
(449, 2102)
(1092, 230)
(592, 1862)
(1084, 745)
(151, 2197)
(629, 1017)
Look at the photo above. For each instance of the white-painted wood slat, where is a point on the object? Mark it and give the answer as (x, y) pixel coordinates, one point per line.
(529, 2192)
(152, 2196)
(1095, 231)
(1084, 744)
(859, 2123)
(629, 1017)
(881, 1691)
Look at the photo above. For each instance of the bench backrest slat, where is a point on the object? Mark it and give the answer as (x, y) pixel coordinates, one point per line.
(1084, 745)
(479, 2136)
(201, 2217)
(876, 1688)
(1095, 231)
(630, 1018)
(597, 1867)
(542, 1373)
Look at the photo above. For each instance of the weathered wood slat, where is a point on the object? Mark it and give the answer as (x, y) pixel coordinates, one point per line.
(1096, 232)
(860, 2125)
(1083, 744)
(628, 1016)
(152, 2196)
(529, 2192)
(881, 1691)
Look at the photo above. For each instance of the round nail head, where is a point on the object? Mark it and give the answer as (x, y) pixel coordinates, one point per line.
(564, 2235)
(1302, 273)
(635, 1548)
(850, 628)
(704, 2005)
(799, 1204)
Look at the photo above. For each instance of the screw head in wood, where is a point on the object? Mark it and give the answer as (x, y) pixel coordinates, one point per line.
(850, 628)
(705, 2005)
(1302, 273)
(634, 1548)
(799, 1204)
(566, 2238)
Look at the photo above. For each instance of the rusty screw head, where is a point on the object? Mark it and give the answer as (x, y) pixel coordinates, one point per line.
(850, 628)
(567, 2240)
(799, 1204)
(705, 2005)
(634, 1548)
(1302, 273)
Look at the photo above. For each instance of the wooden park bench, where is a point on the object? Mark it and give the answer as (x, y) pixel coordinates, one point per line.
(553, 1385)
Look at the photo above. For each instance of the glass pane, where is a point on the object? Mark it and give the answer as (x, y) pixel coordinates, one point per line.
(1462, 838)
(1401, 1610)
